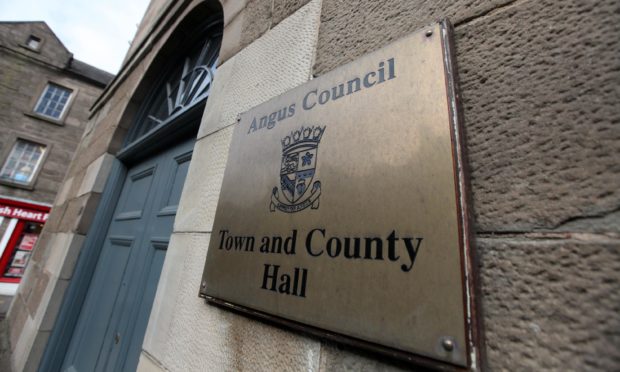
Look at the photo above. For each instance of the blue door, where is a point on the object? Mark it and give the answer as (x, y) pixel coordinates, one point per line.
(111, 325)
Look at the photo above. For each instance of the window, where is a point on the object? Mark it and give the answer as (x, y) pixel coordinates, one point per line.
(186, 83)
(53, 101)
(34, 43)
(23, 162)
(15, 259)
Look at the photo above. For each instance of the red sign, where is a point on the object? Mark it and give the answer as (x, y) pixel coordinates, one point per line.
(23, 213)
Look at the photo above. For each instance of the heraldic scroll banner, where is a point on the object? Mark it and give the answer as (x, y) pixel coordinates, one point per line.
(342, 211)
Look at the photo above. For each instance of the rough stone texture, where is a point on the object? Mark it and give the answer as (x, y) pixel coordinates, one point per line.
(278, 61)
(5, 346)
(342, 358)
(61, 197)
(203, 183)
(96, 175)
(204, 337)
(551, 305)
(170, 283)
(214, 117)
(257, 20)
(246, 21)
(79, 214)
(231, 41)
(351, 28)
(283, 8)
(25, 74)
(607, 223)
(540, 87)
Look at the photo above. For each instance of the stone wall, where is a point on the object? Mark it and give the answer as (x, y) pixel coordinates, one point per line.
(25, 74)
(36, 305)
(540, 86)
(538, 82)
(23, 81)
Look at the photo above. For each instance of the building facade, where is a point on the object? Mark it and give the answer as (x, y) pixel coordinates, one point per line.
(45, 96)
(119, 264)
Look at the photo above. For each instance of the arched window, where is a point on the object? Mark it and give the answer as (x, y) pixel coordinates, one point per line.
(185, 84)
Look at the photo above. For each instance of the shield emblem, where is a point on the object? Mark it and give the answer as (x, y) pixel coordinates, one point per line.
(298, 165)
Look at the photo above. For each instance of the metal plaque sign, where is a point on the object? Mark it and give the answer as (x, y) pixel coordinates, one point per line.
(342, 208)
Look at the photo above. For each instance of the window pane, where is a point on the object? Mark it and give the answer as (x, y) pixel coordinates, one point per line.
(53, 101)
(23, 162)
(33, 42)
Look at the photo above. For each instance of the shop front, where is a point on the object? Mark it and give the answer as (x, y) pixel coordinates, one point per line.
(21, 223)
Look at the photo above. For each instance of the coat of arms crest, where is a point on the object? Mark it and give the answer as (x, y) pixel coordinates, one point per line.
(299, 159)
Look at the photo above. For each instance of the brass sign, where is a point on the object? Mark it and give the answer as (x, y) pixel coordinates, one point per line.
(342, 209)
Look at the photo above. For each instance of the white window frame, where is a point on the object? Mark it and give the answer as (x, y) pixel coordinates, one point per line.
(39, 166)
(64, 110)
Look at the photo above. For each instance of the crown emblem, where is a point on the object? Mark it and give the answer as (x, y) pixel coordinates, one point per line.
(310, 135)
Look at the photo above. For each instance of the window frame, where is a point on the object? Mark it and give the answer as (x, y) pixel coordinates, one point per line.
(206, 38)
(37, 99)
(35, 175)
(38, 39)
(27, 46)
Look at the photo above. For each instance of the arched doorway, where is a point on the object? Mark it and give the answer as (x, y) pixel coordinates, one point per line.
(120, 278)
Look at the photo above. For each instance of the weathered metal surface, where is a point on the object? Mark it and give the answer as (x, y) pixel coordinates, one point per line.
(342, 208)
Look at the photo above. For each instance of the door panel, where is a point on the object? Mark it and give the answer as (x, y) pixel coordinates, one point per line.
(110, 329)
(146, 301)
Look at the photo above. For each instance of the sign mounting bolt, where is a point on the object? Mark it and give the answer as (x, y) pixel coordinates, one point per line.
(429, 33)
(204, 284)
(447, 344)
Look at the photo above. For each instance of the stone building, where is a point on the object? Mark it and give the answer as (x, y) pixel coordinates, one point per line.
(116, 276)
(45, 96)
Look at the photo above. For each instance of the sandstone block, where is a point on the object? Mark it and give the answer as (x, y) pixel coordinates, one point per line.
(551, 304)
(49, 313)
(342, 358)
(203, 184)
(36, 352)
(231, 40)
(278, 61)
(204, 337)
(79, 214)
(352, 28)
(96, 175)
(539, 83)
(284, 8)
(231, 9)
(258, 20)
(75, 243)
